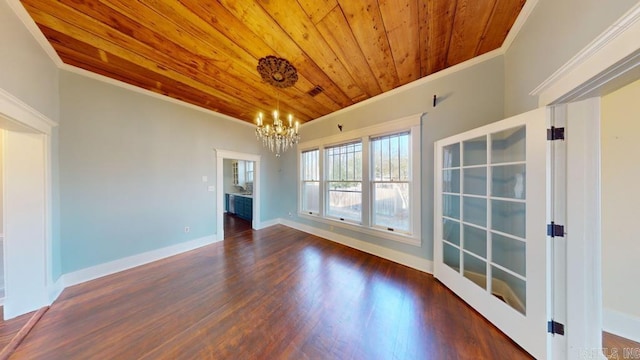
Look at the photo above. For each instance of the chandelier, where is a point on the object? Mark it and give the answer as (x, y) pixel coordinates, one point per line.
(279, 136)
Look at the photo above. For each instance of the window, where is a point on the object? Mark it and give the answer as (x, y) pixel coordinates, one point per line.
(366, 180)
(390, 182)
(249, 171)
(310, 187)
(344, 181)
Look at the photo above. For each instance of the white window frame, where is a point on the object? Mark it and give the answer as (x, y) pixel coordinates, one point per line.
(302, 181)
(248, 166)
(410, 124)
(373, 181)
(324, 178)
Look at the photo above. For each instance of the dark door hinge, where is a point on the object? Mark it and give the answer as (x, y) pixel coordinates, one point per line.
(554, 327)
(555, 133)
(555, 230)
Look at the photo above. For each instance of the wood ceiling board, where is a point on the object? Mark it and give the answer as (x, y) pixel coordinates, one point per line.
(261, 24)
(468, 26)
(195, 67)
(401, 21)
(231, 59)
(352, 49)
(335, 30)
(365, 21)
(504, 16)
(134, 74)
(96, 34)
(297, 25)
(235, 30)
(317, 9)
(438, 16)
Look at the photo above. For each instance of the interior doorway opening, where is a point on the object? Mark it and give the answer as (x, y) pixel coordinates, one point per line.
(620, 194)
(238, 192)
(238, 180)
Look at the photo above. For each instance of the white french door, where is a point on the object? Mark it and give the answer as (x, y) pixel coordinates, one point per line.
(490, 224)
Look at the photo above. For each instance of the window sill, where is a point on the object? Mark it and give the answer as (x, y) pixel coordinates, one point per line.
(383, 234)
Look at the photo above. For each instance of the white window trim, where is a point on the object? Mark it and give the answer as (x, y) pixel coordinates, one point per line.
(410, 123)
(300, 182)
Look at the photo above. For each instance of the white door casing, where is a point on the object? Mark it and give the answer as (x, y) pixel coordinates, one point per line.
(27, 206)
(233, 155)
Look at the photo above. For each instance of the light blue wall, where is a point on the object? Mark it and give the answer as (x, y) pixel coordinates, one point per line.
(468, 99)
(554, 33)
(131, 169)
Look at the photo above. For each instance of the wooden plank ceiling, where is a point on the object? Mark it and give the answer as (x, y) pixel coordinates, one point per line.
(206, 52)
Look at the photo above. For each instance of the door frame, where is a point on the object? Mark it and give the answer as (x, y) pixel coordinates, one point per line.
(221, 155)
(610, 61)
(20, 120)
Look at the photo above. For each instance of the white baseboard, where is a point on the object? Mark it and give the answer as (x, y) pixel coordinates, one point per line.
(621, 324)
(56, 289)
(266, 224)
(115, 266)
(411, 261)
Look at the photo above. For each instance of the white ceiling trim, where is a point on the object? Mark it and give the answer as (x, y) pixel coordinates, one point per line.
(17, 110)
(23, 15)
(124, 85)
(616, 43)
(425, 80)
(522, 18)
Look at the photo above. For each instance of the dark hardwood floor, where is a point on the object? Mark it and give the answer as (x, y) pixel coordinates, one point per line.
(617, 347)
(275, 293)
(9, 329)
(233, 225)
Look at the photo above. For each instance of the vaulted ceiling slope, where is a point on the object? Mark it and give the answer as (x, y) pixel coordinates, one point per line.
(206, 52)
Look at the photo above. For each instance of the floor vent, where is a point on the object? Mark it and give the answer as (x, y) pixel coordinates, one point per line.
(316, 90)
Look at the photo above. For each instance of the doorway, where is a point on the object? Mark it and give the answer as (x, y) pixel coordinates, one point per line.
(238, 180)
(620, 195)
(242, 174)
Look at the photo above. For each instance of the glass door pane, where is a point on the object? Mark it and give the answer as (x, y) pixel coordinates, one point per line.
(508, 216)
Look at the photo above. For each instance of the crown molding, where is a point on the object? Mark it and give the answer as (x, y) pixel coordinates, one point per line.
(18, 111)
(522, 18)
(124, 85)
(617, 42)
(31, 26)
(422, 81)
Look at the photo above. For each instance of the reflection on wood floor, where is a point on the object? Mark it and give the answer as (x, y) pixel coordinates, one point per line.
(275, 293)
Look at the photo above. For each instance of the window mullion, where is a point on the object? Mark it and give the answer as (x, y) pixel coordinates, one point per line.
(321, 179)
(366, 186)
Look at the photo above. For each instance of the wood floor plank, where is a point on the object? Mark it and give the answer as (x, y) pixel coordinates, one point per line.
(10, 328)
(274, 293)
(617, 347)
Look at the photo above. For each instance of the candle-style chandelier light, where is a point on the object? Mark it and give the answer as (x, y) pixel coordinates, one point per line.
(279, 136)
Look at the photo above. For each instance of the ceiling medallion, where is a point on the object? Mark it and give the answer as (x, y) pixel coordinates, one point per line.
(278, 136)
(277, 71)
